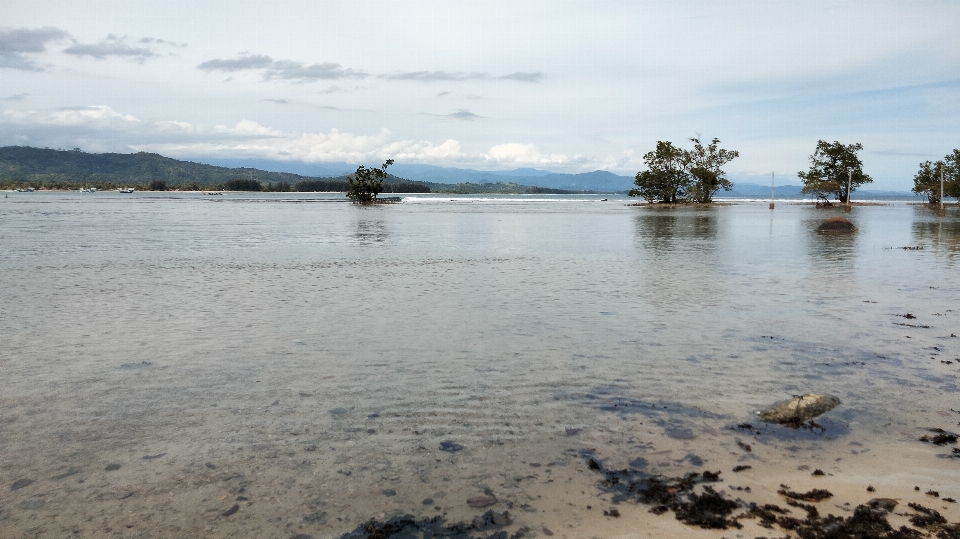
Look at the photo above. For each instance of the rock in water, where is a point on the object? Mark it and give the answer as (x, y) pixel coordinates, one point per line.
(836, 224)
(795, 411)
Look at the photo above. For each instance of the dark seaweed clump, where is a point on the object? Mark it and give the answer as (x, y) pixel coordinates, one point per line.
(409, 527)
(706, 509)
(927, 517)
(866, 523)
(943, 439)
(709, 509)
(814, 495)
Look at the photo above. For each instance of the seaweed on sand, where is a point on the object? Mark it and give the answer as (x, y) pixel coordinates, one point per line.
(706, 509)
(700, 505)
(409, 527)
(814, 495)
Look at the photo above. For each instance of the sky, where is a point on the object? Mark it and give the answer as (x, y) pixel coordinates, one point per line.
(564, 86)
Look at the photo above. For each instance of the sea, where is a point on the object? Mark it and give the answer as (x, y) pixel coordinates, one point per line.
(287, 365)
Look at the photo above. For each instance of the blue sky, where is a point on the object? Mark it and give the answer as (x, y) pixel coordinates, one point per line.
(561, 86)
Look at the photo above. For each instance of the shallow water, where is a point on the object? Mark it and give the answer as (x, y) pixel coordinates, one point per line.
(305, 358)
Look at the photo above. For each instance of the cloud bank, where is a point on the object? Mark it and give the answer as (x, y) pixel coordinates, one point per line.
(101, 115)
(17, 44)
(290, 70)
(250, 139)
(111, 46)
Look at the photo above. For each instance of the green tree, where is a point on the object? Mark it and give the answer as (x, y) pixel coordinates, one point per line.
(927, 180)
(951, 178)
(828, 172)
(158, 185)
(666, 178)
(367, 183)
(677, 175)
(704, 164)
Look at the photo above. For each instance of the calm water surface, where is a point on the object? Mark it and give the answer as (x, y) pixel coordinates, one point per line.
(165, 357)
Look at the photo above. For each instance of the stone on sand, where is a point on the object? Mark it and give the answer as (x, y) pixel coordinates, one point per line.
(799, 409)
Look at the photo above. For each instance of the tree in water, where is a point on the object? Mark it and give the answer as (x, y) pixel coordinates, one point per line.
(367, 183)
(665, 179)
(676, 175)
(828, 174)
(705, 164)
(927, 180)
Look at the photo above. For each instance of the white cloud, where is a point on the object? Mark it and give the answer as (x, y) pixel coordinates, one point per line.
(514, 153)
(93, 114)
(248, 128)
(177, 125)
(314, 147)
(248, 138)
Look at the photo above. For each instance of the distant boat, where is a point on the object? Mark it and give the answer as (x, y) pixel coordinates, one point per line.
(89, 190)
(127, 190)
(27, 190)
(213, 193)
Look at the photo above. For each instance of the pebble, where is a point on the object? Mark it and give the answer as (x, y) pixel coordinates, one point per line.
(450, 447)
(481, 501)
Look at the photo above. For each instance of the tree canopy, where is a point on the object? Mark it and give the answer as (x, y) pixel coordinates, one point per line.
(927, 180)
(704, 165)
(367, 183)
(677, 175)
(665, 179)
(830, 167)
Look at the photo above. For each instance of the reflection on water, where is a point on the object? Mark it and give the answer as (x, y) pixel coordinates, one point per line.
(678, 246)
(942, 232)
(668, 230)
(370, 231)
(832, 251)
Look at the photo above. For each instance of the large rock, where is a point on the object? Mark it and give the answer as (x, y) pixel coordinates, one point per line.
(836, 224)
(793, 412)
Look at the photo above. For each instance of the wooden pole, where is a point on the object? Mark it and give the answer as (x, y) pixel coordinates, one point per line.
(772, 196)
(849, 182)
(942, 211)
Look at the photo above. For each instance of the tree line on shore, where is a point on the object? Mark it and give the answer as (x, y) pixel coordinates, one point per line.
(334, 185)
(672, 174)
(677, 176)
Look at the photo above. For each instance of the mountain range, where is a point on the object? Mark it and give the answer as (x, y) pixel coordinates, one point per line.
(49, 166)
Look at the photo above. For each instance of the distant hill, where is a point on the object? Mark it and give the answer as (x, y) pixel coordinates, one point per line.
(757, 190)
(66, 168)
(73, 166)
(310, 170)
(754, 190)
(598, 181)
(69, 168)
